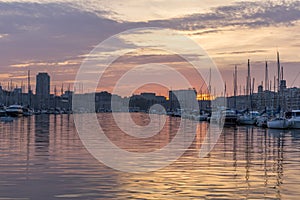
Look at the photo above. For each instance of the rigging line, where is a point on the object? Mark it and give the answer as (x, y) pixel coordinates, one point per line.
(295, 79)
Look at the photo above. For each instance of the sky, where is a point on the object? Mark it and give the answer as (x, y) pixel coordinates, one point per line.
(56, 36)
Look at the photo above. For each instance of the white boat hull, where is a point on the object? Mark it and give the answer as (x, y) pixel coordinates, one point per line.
(295, 123)
(279, 124)
(14, 111)
(262, 122)
(2, 112)
(247, 121)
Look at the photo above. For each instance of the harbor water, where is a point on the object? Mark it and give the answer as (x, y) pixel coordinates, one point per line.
(42, 157)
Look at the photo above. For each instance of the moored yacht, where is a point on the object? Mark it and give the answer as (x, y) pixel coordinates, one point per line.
(27, 111)
(295, 120)
(262, 121)
(279, 123)
(249, 118)
(201, 117)
(229, 116)
(14, 111)
(2, 110)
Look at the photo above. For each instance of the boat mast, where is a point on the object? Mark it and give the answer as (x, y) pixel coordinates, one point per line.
(281, 73)
(62, 89)
(278, 80)
(278, 71)
(248, 80)
(266, 84)
(267, 77)
(235, 85)
(209, 83)
(29, 89)
(225, 91)
(248, 86)
(55, 94)
(209, 89)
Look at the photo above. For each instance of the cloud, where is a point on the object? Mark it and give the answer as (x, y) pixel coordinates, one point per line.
(136, 11)
(242, 52)
(46, 34)
(242, 14)
(49, 31)
(46, 64)
(207, 32)
(40, 31)
(3, 36)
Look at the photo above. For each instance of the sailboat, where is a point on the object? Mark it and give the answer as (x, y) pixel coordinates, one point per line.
(262, 121)
(14, 111)
(263, 118)
(279, 122)
(249, 118)
(295, 120)
(27, 111)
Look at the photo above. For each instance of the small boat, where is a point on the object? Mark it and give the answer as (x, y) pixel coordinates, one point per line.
(262, 121)
(216, 115)
(27, 112)
(37, 112)
(295, 119)
(2, 110)
(201, 118)
(214, 118)
(170, 113)
(279, 123)
(249, 118)
(14, 111)
(230, 117)
(178, 113)
(43, 112)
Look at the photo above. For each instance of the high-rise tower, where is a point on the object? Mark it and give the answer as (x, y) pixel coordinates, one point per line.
(42, 91)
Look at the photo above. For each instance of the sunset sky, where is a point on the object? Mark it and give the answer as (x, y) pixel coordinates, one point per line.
(55, 36)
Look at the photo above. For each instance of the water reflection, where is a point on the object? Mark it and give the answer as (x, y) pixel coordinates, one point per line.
(42, 140)
(41, 157)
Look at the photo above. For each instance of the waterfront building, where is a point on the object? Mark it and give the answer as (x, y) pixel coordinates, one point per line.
(183, 99)
(103, 101)
(287, 99)
(145, 101)
(42, 91)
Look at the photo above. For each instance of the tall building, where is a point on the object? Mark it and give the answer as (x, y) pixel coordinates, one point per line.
(42, 91)
(183, 99)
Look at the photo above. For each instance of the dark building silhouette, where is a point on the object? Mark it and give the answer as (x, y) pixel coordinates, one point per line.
(183, 99)
(42, 91)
